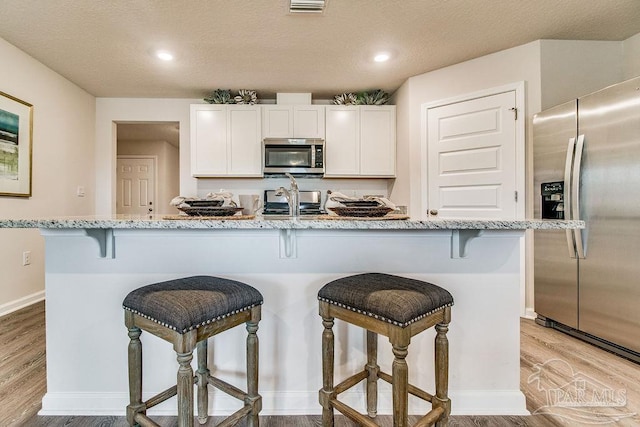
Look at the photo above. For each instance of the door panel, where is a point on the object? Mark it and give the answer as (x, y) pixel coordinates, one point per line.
(209, 145)
(555, 272)
(135, 186)
(472, 157)
(556, 278)
(610, 204)
(377, 141)
(343, 141)
(245, 141)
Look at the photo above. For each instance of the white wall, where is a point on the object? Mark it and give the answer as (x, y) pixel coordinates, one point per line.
(63, 159)
(168, 185)
(631, 48)
(572, 68)
(400, 191)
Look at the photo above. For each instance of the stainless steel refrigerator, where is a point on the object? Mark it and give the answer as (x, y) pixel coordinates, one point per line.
(587, 166)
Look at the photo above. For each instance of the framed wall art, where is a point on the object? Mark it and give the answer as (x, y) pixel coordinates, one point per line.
(16, 128)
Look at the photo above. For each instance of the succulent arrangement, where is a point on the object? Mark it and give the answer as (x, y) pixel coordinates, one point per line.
(250, 97)
(376, 97)
(223, 96)
(220, 96)
(246, 96)
(347, 98)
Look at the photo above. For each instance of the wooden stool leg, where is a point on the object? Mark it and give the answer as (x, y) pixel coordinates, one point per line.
(441, 399)
(252, 374)
(373, 369)
(183, 346)
(327, 393)
(135, 374)
(400, 373)
(203, 382)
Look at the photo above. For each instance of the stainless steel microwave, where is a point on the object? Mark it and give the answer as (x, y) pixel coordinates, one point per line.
(301, 156)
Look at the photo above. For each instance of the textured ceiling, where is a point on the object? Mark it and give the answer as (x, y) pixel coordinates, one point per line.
(105, 46)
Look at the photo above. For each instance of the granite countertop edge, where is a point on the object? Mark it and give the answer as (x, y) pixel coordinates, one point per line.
(156, 222)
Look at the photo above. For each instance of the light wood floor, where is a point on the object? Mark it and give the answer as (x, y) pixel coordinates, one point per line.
(550, 362)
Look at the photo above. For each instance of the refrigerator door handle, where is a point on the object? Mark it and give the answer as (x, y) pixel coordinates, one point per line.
(575, 195)
(571, 244)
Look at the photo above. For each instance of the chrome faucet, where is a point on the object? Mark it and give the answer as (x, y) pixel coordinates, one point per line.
(292, 195)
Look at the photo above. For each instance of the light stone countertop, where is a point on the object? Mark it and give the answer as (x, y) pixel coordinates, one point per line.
(157, 222)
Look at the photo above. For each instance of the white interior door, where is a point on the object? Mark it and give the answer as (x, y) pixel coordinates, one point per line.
(136, 185)
(471, 150)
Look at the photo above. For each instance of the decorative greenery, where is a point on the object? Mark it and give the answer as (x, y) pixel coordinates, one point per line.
(220, 96)
(376, 97)
(347, 98)
(246, 96)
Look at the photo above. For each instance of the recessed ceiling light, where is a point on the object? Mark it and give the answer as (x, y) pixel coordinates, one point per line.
(381, 57)
(164, 55)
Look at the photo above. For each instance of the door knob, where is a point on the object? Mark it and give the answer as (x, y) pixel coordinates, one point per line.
(433, 212)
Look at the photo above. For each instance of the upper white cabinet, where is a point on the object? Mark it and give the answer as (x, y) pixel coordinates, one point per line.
(360, 141)
(293, 121)
(226, 140)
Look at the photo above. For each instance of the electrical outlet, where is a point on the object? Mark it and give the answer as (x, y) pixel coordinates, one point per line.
(26, 258)
(80, 192)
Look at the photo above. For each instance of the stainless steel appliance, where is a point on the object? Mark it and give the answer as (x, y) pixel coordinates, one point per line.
(587, 166)
(310, 203)
(295, 156)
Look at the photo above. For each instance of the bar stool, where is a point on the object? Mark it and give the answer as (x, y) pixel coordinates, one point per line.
(397, 308)
(186, 312)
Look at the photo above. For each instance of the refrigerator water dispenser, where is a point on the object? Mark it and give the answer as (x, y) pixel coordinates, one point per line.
(552, 200)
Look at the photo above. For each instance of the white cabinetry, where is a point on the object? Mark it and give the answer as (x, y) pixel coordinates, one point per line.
(360, 141)
(293, 121)
(225, 140)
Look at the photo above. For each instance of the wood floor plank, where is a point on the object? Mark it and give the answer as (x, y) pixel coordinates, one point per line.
(558, 356)
(22, 365)
(569, 378)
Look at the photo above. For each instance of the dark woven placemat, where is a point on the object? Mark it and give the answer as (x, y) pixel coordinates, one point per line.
(208, 218)
(364, 218)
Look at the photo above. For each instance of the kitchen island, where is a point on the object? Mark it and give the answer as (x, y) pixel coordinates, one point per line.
(93, 262)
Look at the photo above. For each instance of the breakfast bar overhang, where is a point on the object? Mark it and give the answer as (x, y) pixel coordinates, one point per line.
(92, 263)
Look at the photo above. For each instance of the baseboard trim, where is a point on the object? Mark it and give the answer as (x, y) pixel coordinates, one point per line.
(530, 313)
(475, 402)
(23, 302)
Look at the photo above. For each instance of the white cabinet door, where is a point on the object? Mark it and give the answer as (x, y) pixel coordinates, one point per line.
(245, 142)
(293, 121)
(342, 143)
(308, 121)
(361, 141)
(208, 140)
(226, 140)
(277, 121)
(378, 141)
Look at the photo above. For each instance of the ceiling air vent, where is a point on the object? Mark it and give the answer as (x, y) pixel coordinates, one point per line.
(307, 6)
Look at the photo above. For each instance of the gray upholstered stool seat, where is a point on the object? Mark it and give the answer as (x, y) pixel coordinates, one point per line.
(188, 303)
(186, 312)
(398, 308)
(394, 299)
